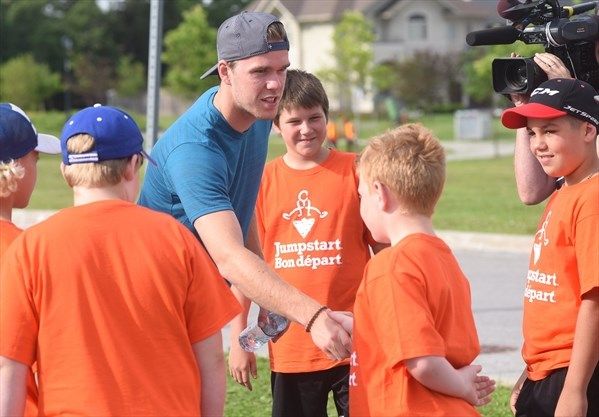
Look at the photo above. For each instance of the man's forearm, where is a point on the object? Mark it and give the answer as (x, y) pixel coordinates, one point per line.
(258, 282)
(533, 184)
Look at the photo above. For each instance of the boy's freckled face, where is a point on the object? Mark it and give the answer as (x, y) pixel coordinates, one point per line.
(557, 144)
(303, 130)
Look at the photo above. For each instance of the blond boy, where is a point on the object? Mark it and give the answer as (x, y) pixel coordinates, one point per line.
(119, 305)
(414, 334)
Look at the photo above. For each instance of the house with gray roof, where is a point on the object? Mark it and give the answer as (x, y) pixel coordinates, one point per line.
(402, 27)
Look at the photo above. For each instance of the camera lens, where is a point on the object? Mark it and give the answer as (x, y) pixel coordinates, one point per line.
(516, 76)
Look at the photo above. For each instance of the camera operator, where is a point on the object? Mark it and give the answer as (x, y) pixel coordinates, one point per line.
(532, 183)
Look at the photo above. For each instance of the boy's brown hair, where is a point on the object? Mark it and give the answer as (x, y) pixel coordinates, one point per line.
(302, 89)
(92, 174)
(410, 161)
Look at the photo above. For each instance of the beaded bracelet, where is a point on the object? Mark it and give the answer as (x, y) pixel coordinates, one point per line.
(314, 317)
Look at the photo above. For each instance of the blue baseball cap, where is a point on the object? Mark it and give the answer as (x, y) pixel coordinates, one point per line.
(18, 136)
(115, 133)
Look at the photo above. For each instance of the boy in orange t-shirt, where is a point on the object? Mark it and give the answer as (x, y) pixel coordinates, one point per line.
(561, 298)
(20, 145)
(118, 304)
(308, 222)
(414, 334)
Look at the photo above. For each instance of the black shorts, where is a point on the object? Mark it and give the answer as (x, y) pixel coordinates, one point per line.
(305, 394)
(539, 398)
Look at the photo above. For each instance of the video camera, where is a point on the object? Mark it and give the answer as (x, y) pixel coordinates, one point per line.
(542, 22)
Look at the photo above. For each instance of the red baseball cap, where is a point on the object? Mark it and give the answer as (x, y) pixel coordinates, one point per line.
(556, 98)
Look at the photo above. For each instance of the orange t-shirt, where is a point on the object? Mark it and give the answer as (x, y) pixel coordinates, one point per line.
(348, 130)
(312, 235)
(414, 301)
(109, 297)
(564, 264)
(9, 232)
(332, 131)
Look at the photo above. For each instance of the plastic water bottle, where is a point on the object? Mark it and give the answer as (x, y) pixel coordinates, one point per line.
(259, 333)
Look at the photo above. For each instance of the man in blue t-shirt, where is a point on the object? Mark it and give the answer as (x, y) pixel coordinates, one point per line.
(209, 164)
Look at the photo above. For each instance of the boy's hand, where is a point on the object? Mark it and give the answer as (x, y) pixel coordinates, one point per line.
(516, 392)
(572, 404)
(478, 388)
(242, 365)
(330, 337)
(344, 318)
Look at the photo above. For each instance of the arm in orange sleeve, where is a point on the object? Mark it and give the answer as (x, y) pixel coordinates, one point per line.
(437, 374)
(585, 356)
(13, 377)
(211, 364)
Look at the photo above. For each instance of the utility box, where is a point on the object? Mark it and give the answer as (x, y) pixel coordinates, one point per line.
(471, 125)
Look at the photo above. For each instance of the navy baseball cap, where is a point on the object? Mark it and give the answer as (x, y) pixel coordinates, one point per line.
(556, 98)
(115, 132)
(243, 36)
(18, 136)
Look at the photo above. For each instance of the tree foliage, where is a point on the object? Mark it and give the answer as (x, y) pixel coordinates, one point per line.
(189, 50)
(425, 81)
(217, 11)
(352, 39)
(27, 83)
(131, 77)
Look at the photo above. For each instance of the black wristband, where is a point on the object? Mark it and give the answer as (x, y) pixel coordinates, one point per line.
(314, 317)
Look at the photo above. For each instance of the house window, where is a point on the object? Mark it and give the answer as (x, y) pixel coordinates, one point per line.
(417, 27)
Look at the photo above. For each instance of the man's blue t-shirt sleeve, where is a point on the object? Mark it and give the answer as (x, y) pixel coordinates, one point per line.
(198, 174)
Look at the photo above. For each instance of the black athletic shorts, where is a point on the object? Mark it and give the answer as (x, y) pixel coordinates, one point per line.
(539, 398)
(305, 394)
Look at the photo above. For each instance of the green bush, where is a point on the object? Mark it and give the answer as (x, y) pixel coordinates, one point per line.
(27, 83)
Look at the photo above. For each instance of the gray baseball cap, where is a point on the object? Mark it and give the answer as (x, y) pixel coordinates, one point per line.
(245, 35)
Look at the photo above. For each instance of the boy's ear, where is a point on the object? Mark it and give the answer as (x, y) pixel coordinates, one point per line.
(131, 168)
(590, 132)
(382, 195)
(62, 166)
(276, 128)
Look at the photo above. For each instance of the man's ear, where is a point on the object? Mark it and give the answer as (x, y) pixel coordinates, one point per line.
(223, 71)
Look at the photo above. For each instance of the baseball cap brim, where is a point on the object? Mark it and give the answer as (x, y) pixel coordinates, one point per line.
(211, 71)
(517, 117)
(47, 144)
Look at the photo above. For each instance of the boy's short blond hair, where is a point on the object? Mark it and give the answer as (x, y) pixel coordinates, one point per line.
(10, 174)
(410, 161)
(92, 174)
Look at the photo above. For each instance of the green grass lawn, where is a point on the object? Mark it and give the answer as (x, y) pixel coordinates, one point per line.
(479, 195)
(257, 403)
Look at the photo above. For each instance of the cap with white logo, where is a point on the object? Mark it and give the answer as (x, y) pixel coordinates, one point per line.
(556, 98)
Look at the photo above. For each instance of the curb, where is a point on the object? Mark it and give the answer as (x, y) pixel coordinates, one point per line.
(456, 240)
